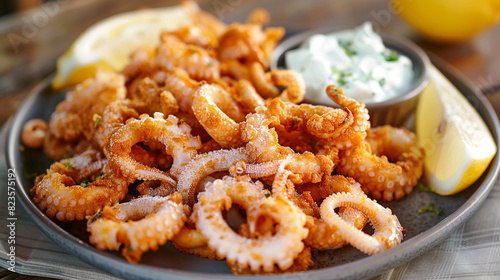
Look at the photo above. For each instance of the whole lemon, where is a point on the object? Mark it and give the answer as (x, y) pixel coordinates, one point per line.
(448, 21)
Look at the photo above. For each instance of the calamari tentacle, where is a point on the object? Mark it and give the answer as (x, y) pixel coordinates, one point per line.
(321, 122)
(59, 196)
(391, 169)
(356, 131)
(262, 142)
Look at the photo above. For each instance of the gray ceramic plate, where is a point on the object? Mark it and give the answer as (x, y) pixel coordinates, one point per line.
(423, 230)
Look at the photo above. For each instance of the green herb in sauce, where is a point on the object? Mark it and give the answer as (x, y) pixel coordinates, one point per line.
(390, 55)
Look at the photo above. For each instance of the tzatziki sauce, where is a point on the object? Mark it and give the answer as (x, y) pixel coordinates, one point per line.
(356, 61)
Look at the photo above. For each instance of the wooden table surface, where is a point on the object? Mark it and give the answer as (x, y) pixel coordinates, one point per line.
(30, 43)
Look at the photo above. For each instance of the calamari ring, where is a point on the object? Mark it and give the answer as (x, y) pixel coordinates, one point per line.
(259, 80)
(141, 225)
(234, 69)
(59, 196)
(218, 124)
(178, 141)
(196, 34)
(202, 166)
(296, 86)
(242, 42)
(33, 133)
(260, 253)
(249, 43)
(182, 87)
(223, 99)
(387, 229)
(246, 96)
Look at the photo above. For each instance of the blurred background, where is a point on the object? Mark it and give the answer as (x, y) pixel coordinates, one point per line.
(34, 33)
(12, 6)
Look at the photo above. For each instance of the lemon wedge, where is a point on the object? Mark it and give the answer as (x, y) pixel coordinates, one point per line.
(448, 21)
(109, 43)
(457, 142)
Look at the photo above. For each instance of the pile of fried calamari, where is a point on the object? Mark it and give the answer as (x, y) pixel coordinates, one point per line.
(199, 128)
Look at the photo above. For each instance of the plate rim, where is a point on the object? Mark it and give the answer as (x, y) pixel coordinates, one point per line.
(365, 267)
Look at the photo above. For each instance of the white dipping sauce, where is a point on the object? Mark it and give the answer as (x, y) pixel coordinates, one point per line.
(356, 61)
